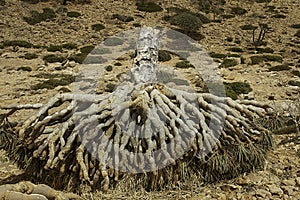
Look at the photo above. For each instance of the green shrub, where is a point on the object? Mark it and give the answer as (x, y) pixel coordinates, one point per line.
(117, 64)
(235, 49)
(295, 26)
(98, 27)
(19, 43)
(184, 64)
(148, 6)
(123, 18)
(73, 14)
(279, 16)
(51, 58)
(29, 56)
(263, 1)
(54, 48)
(217, 55)
(37, 17)
(87, 49)
(229, 39)
(229, 63)
(238, 10)
(294, 83)
(69, 46)
(109, 68)
(296, 73)
(236, 88)
(280, 68)
(233, 55)
(54, 81)
(265, 50)
(24, 68)
(113, 41)
(297, 34)
(110, 87)
(31, 1)
(227, 16)
(248, 27)
(186, 21)
(262, 58)
(164, 55)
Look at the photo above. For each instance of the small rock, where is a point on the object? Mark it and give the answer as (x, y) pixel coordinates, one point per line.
(288, 190)
(289, 182)
(275, 189)
(263, 193)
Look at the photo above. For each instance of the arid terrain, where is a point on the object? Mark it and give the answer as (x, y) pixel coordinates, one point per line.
(41, 55)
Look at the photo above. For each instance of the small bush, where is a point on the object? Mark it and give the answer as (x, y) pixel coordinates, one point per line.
(69, 46)
(53, 82)
(113, 42)
(217, 55)
(238, 10)
(73, 14)
(280, 68)
(110, 87)
(233, 55)
(123, 18)
(109, 68)
(54, 48)
(236, 88)
(297, 34)
(262, 58)
(296, 73)
(248, 27)
(184, 64)
(279, 16)
(87, 49)
(263, 1)
(229, 63)
(118, 64)
(37, 17)
(29, 56)
(31, 1)
(186, 21)
(164, 55)
(227, 16)
(265, 50)
(24, 68)
(229, 39)
(235, 49)
(294, 83)
(148, 6)
(98, 27)
(19, 43)
(295, 26)
(51, 58)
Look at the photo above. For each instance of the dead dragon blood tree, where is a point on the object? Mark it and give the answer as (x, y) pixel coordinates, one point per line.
(144, 132)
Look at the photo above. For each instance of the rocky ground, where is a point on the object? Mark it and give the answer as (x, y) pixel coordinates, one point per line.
(27, 76)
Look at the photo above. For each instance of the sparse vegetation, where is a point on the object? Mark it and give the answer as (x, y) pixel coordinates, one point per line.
(109, 68)
(148, 6)
(186, 21)
(263, 58)
(123, 18)
(79, 57)
(279, 16)
(296, 73)
(73, 14)
(295, 26)
(297, 34)
(53, 81)
(229, 63)
(294, 83)
(164, 55)
(52, 58)
(248, 27)
(19, 43)
(37, 17)
(184, 64)
(24, 68)
(238, 11)
(217, 55)
(54, 48)
(265, 50)
(235, 49)
(234, 89)
(262, 33)
(30, 56)
(87, 49)
(98, 27)
(110, 87)
(280, 68)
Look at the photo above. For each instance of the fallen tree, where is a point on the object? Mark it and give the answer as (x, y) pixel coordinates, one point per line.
(143, 131)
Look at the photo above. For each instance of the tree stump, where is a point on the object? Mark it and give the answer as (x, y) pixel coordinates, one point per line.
(144, 131)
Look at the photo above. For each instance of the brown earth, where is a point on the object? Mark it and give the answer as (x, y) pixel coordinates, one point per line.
(281, 177)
